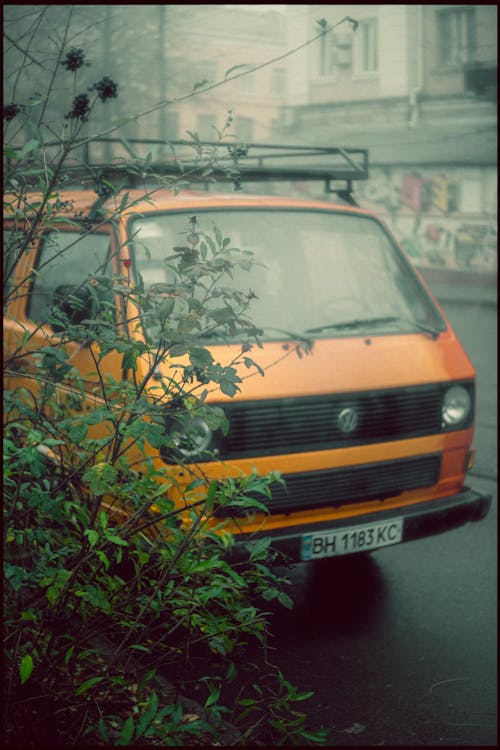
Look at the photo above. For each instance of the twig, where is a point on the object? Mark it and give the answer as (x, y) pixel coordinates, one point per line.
(23, 51)
(213, 86)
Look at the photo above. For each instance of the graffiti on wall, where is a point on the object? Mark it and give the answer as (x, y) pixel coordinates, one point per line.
(426, 213)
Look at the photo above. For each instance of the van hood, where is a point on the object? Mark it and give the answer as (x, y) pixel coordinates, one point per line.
(342, 365)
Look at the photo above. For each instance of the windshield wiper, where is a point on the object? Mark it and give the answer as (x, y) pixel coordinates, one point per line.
(359, 322)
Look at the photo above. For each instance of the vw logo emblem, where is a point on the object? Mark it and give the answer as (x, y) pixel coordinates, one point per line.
(348, 420)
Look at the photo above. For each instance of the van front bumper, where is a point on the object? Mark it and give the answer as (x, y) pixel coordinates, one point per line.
(420, 520)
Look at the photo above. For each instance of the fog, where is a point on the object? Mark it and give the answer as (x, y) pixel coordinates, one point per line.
(413, 84)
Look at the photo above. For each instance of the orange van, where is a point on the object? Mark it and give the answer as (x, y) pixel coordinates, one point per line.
(366, 407)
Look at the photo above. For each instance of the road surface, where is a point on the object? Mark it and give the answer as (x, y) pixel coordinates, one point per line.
(400, 646)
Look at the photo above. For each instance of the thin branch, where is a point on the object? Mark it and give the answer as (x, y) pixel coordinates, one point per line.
(213, 86)
(56, 66)
(23, 51)
(36, 26)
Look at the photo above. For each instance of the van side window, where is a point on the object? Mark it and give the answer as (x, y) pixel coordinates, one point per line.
(65, 259)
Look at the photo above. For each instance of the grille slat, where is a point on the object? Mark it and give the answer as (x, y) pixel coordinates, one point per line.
(302, 424)
(354, 484)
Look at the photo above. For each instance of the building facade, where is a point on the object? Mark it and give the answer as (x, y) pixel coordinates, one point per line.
(209, 44)
(416, 85)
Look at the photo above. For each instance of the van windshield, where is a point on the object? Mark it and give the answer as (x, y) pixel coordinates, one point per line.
(315, 272)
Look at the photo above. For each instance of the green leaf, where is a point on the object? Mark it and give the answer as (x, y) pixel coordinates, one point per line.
(200, 84)
(100, 477)
(96, 597)
(11, 153)
(88, 684)
(250, 363)
(96, 416)
(270, 594)
(222, 315)
(229, 388)
(178, 350)
(127, 732)
(25, 668)
(28, 148)
(116, 540)
(210, 499)
(103, 732)
(154, 434)
(103, 558)
(258, 550)
(211, 244)
(285, 600)
(124, 202)
(247, 702)
(236, 67)
(28, 616)
(195, 484)
(129, 361)
(213, 697)
(92, 536)
(200, 357)
(78, 432)
(147, 717)
(302, 696)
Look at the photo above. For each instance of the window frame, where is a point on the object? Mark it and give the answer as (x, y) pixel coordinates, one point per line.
(327, 67)
(279, 81)
(106, 231)
(395, 255)
(206, 125)
(248, 125)
(462, 42)
(366, 34)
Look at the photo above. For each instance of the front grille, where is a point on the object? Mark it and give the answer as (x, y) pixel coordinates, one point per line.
(354, 484)
(293, 425)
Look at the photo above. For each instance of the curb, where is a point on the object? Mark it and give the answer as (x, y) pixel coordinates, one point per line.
(463, 296)
(461, 287)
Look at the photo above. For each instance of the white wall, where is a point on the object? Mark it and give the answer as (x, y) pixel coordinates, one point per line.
(393, 50)
(299, 29)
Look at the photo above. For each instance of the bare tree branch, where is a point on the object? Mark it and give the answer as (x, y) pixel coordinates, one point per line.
(23, 51)
(214, 86)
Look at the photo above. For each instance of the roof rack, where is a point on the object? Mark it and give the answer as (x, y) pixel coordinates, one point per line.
(204, 161)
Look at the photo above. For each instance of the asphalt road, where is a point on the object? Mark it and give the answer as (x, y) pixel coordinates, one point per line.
(399, 646)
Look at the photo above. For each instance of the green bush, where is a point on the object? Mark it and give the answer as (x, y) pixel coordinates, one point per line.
(118, 604)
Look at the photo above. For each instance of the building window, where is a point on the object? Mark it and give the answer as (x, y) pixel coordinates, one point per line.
(172, 125)
(246, 83)
(367, 46)
(206, 127)
(326, 63)
(244, 129)
(278, 81)
(456, 28)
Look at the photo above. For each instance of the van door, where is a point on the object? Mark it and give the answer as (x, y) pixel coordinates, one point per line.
(62, 279)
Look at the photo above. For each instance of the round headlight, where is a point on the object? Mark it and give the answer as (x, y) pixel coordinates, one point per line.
(193, 438)
(456, 406)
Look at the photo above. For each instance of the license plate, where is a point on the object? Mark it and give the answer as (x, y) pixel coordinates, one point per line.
(351, 539)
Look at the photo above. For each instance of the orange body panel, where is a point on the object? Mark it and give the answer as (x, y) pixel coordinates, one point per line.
(339, 365)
